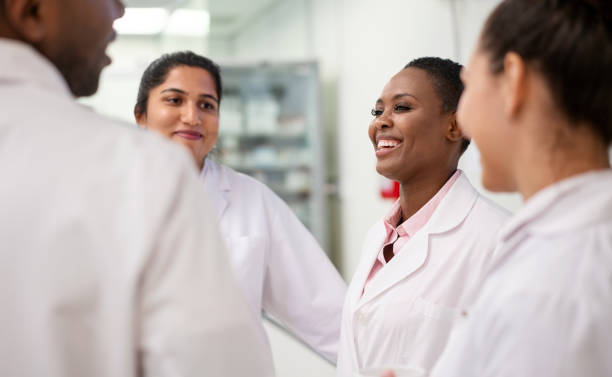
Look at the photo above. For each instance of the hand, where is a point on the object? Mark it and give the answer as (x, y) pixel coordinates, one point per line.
(388, 373)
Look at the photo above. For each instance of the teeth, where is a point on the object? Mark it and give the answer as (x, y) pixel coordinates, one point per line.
(387, 143)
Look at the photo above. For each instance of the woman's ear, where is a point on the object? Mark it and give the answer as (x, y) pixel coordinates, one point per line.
(453, 132)
(514, 77)
(141, 118)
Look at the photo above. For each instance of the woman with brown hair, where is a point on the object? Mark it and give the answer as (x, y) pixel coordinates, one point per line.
(538, 103)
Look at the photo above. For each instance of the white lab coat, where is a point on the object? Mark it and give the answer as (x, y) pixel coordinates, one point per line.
(546, 308)
(106, 267)
(406, 314)
(278, 264)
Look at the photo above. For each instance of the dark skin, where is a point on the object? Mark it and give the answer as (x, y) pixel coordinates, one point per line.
(418, 144)
(71, 34)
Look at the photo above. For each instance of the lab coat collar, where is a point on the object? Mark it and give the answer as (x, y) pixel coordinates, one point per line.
(454, 208)
(20, 63)
(451, 212)
(218, 183)
(567, 206)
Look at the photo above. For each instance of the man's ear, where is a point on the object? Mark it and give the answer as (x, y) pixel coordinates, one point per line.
(453, 132)
(513, 81)
(24, 18)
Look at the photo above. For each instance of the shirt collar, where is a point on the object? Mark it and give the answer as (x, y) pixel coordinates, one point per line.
(20, 63)
(393, 216)
(413, 224)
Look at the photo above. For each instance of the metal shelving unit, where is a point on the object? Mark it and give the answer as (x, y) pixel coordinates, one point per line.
(271, 129)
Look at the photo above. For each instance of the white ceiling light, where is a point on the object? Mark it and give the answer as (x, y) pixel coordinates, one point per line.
(188, 22)
(151, 21)
(142, 21)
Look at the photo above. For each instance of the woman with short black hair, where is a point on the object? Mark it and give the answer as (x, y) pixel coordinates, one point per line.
(421, 264)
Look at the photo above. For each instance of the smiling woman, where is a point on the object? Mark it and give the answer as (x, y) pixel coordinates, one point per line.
(537, 104)
(179, 97)
(414, 130)
(272, 254)
(421, 264)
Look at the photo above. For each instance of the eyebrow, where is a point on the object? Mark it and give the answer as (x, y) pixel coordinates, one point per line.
(175, 90)
(398, 96)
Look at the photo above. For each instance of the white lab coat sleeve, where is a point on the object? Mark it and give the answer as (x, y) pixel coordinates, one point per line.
(194, 322)
(533, 335)
(302, 288)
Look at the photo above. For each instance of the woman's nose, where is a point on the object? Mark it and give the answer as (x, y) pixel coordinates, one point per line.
(191, 115)
(382, 121)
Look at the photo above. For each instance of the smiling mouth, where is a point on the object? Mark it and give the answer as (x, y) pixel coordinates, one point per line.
(189, 135)
(387, 144)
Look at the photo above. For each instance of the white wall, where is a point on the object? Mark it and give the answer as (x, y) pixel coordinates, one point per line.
(279, 33)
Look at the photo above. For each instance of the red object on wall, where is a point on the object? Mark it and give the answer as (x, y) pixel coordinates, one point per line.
(389, 189)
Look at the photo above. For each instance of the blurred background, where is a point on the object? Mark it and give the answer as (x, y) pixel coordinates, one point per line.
(300, 78)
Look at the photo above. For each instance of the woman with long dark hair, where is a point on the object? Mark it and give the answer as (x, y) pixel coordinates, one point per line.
(278, 264)
(538, 103)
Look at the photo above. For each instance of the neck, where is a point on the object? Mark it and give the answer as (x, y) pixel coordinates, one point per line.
(567, 155)
(414, 194)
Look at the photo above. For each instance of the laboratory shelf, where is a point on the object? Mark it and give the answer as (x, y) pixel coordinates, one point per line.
(271, 129)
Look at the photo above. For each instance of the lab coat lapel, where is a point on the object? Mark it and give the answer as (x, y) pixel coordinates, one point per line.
(450, 213)
(218, 186)
(371, 247)
(410, 258)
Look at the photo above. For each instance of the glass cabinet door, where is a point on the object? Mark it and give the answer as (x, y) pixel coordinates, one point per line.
(270, 129)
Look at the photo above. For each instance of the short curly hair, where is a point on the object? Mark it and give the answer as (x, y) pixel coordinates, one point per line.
(445, 76)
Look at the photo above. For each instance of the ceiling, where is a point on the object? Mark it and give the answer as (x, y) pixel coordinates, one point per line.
(153, 3)
(227, 17)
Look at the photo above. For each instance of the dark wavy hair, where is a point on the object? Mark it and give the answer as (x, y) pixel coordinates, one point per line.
(158, 70)
(569, 42)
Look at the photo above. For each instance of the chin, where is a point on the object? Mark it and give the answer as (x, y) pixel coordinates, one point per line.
(387, 172)
(382, 169)
(84, 88)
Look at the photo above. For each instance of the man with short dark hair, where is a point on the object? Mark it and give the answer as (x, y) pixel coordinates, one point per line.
(108, 265)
